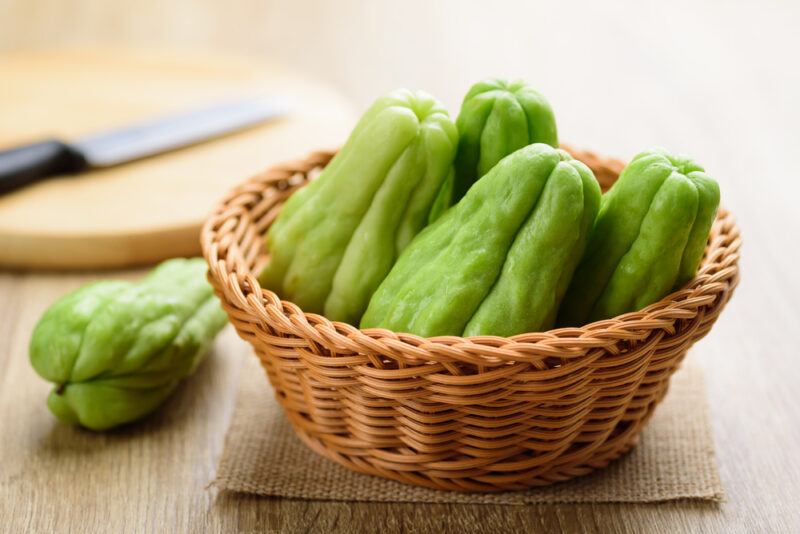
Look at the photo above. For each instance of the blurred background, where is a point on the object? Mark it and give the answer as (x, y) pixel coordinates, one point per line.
(717, 80)
(610, 69)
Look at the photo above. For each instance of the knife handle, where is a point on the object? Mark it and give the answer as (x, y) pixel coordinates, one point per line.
(27, 164)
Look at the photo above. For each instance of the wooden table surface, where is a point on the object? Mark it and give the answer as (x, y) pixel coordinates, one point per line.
(718, 80)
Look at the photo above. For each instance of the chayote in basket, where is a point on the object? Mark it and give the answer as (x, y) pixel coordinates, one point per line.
(497, 117)
(500, 260)
(115, 350)
(648, 239)
(335, 240)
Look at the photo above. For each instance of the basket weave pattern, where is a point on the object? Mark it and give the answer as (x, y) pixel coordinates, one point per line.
(479, 414)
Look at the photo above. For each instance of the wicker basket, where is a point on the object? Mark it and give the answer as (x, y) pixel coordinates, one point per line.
(479, 414)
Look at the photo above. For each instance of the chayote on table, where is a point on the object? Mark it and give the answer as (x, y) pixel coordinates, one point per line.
(115, 350)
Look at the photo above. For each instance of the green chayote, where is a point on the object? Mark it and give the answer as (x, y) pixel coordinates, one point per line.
(648, 239)
(116, 350)
(499, 261)
(336, 239)
(497, 117)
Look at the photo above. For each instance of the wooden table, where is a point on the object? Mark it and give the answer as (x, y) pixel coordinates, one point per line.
(717, 80)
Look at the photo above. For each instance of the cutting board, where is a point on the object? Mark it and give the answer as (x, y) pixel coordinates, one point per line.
(152, 209)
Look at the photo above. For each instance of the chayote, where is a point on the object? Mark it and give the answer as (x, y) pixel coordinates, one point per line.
(497, 117)
(336, 239)
(499, 261)
(648, 239)
(115, 350)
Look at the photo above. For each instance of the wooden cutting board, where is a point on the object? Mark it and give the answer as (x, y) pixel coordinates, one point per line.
(145, 211)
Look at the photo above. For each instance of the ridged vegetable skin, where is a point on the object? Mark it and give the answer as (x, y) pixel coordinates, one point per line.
(499, 261)
(336, 239)
(648, 239)
(115, 350)
(497, 117)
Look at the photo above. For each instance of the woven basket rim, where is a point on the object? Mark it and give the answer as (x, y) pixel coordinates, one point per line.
(719, 266)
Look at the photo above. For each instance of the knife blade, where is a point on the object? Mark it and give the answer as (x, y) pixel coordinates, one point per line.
(29, 163)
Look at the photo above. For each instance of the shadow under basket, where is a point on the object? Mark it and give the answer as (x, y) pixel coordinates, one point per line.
(471, 414)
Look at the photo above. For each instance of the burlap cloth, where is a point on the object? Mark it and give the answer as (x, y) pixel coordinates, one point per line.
(673, 461)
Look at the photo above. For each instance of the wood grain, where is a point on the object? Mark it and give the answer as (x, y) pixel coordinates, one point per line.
(149, 209)
(714, 79)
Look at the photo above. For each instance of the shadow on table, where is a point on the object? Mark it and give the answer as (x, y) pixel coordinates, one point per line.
(178, 415)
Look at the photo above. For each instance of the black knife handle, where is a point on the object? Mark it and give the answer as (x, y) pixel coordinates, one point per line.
(27, 164)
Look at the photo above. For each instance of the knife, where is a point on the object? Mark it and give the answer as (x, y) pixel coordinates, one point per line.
(26, 164)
